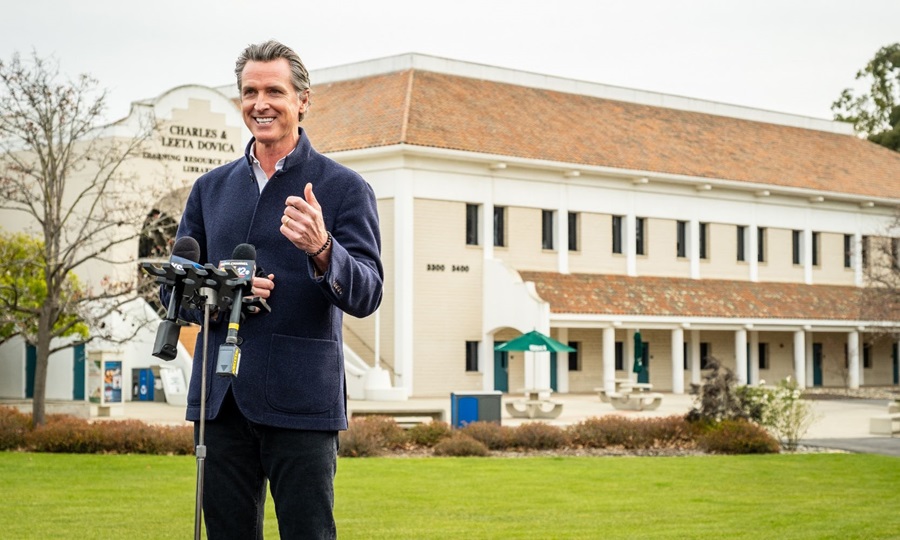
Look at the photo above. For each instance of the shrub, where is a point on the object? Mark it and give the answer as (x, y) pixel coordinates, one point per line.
(782, 410)
(718, 398)
(429, 433)
(370, 436)
(492, 435)
(538, 436)
(460, 445)
(13, 427)
(613, 430)
(74, 435)
(737, 437)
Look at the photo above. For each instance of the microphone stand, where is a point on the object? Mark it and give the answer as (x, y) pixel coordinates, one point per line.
(211, 299)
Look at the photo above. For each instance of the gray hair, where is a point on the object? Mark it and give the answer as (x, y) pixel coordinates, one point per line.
(273, 50)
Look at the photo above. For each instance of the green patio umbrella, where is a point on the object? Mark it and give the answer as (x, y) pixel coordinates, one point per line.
(638, 353)
(534, 341)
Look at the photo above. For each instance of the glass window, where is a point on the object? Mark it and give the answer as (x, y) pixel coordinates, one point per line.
(471, 356)
(681, 239)
(547, 229)
(704, 240)
(796, 240)
(639, 232)
(500, 226)
(620, 355)
(471, 224)
(573, 231)
(574, 357)
(741, 243)
(617, 234)
(815, 248)
(761, 244)
(848, 251)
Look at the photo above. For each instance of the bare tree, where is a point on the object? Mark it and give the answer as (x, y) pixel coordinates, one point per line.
(67, 176)
(881, 268)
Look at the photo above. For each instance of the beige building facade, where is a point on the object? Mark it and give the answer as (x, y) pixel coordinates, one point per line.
(512, 201)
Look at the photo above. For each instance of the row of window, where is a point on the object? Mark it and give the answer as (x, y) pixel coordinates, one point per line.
(705, 353)
(682, 237)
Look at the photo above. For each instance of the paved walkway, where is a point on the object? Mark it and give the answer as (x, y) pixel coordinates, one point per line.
(841, 424)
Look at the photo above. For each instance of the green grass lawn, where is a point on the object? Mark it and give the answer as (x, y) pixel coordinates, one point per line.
(815, 496)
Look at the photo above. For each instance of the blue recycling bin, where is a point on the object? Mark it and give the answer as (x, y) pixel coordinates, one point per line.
(468, 407)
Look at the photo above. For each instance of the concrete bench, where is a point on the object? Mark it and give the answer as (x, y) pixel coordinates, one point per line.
(643, 401)
(405, 418)
(534, 408)
(885, 424)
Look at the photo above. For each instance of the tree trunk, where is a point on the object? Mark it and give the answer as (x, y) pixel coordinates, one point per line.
(39, 403)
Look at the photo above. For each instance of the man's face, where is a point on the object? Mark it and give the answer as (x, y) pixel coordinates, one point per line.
(270, 104)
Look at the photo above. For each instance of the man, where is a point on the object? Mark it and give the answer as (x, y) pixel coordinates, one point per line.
(315, 228)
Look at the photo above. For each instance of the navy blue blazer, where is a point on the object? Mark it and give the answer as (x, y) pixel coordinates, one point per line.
(292, 363)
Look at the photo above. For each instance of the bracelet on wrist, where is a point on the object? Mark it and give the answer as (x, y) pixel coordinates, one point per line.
(323, 248)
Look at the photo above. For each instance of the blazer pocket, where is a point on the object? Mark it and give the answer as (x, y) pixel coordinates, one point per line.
(303, 376)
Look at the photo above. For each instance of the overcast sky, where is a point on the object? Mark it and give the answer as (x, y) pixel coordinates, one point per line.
(784, 55)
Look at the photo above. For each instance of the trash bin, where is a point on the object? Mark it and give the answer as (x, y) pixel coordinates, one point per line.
(468, 407)
(142, 385)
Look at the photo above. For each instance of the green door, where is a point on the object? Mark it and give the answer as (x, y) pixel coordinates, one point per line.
(817, 364)
(501, 369)
(644, 374)
(78, 369)
(30, 367)
(553, 371)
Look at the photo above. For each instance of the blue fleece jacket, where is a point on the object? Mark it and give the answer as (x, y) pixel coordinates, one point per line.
(292, 363)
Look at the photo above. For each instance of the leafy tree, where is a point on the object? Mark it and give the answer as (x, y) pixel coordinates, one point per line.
(23, 291)
(876, 113)
(64, 175)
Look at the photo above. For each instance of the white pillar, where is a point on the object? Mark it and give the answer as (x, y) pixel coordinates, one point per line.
(609, 359)
(404, 257)
(631, 244)
(487, 229)
(740, 355)
(486, 359)
(753, 377)
(853, 359)
(677, 360)
(695, 357)
(800, 358)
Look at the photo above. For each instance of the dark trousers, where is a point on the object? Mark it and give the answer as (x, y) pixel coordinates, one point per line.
(241, 456)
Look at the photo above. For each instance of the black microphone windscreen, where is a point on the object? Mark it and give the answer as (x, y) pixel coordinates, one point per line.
(244, 252)
(187, 248)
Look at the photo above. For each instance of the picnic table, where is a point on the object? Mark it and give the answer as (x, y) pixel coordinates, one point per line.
(632, 396)
(533, 405)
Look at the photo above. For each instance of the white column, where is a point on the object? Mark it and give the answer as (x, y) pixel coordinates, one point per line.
(694, 248)
(631, 244)
(753, 252)
(740, 355)
(609, 359)
(486, 359)
(487, 229)
(562, 364)
(753, 377)
(695, 357)
(800, 358)
(677, 360)
(853, 359)
(404, 256)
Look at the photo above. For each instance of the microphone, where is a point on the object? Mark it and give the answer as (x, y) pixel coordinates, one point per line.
(243, 265)
(185, 252)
